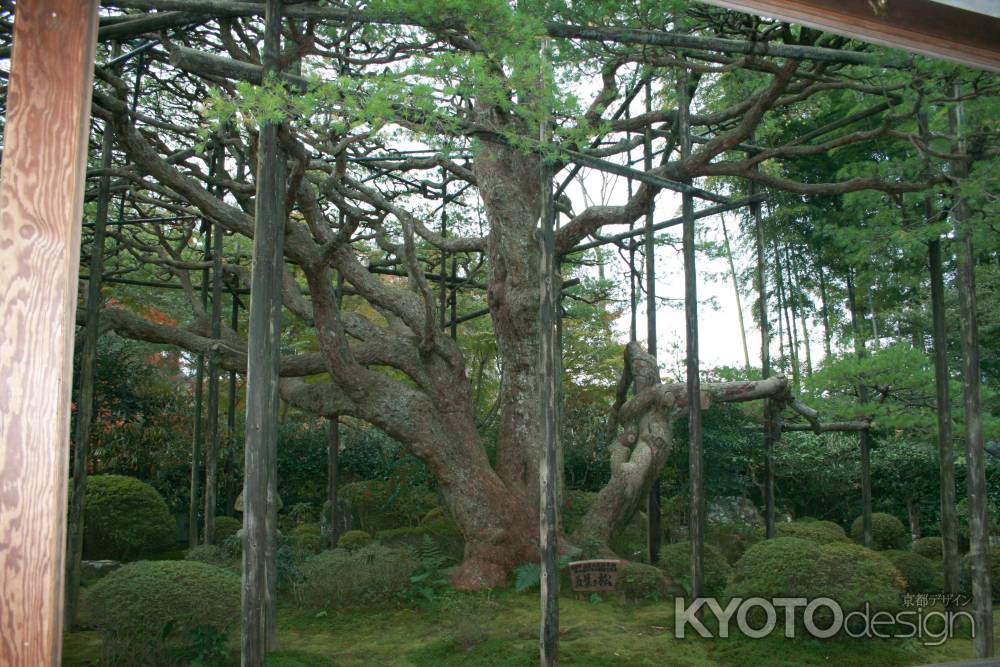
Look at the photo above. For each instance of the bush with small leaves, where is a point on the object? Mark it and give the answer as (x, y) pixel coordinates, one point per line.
(306, 538)
(124, 519)
(675, 560)
(888, 532)
(225, 526)
(638, 581)
(353, 540)
(380, 505)
(442, 533)
(792, 567)
(821, 532)
(919, 572)
(732, 539)
(575, 505)
(212, 554)
(149, 613)
(929, 547)
(339, 578)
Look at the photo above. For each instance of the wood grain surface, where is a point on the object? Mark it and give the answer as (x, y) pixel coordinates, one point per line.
(41, 200)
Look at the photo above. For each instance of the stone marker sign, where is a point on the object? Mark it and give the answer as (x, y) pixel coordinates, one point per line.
(594, 575)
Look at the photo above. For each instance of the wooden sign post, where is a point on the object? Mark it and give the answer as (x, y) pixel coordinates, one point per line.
(41, 204)
(592, 576)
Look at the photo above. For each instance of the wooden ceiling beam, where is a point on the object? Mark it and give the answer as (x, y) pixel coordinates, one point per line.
(920, 26)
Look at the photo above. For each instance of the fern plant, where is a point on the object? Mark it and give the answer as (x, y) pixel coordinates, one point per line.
(429, 576)
(529, 575)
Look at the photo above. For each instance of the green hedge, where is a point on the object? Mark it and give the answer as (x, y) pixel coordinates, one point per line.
(380, 505)
(146, 612)
(125, 519)
(339, 578)
(353, 540)
(732, 539)
(212, 554)
(821, 532)
(639, 581)
(792, 567)
(442, 533)
(919, 572)
(225, 527)
(306, 538)
(929, 547)
(675, 560)
(888, 532)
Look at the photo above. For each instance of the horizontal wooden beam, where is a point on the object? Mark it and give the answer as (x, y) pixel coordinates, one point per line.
(610, 34)
(919, 26)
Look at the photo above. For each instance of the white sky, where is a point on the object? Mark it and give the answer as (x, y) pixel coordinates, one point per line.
(718, 319)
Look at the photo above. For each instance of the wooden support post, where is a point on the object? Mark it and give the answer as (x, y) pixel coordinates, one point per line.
(765, 367)
(443, 293)
(264, 338)
(548, 518)
(333, 448)
(199, 401)
(696, 465)
(979, 518)
(332, 478)
(85, 396)
(946, 454)
(864, 437)
(212, 422)
(654, 531)
(41, 204)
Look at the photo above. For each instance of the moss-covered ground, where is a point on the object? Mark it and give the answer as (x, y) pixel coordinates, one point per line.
(499, 629)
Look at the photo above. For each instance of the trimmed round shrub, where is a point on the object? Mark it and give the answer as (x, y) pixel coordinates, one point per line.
(307, 538)
(639, 581)
(353, 540)
(124, 519)
(675, 560)
(821, 532)
(929, 547)
(792, 567)
(212, 554)
(732, 539)
(919, 572)
(147, 612)
(225, 526)
(966, 572)
(380, 505)
(340, 578)
(888, 532)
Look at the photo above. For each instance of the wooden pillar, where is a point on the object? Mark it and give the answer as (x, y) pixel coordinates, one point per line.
(979, 518)
(198, 439)
(864, 437)
(443, 288)
(41, 205)
(85, 395)
(333, 447)
(332, 477)
(654, 531)
(549, 351)
(946, 454)
(264, 337)
(696, 464)
(212, 422)
(765, 367)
